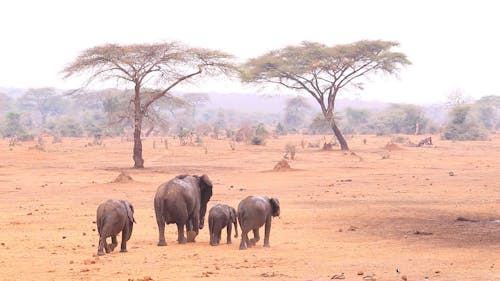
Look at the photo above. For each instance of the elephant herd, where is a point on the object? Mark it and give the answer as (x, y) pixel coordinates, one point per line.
(183, 201)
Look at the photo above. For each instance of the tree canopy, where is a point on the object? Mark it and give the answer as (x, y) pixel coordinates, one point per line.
(153, 70)
(322, 71)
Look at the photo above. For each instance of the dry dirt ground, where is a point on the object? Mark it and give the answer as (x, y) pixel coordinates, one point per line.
(364, 215)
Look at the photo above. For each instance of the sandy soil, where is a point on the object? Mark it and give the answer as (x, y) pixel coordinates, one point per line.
(363, 214)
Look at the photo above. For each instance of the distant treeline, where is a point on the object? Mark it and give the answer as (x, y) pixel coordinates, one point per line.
(109, 113)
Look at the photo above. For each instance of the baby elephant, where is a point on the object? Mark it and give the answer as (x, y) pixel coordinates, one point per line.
(253, 212)
(219, 217)
(113, 217)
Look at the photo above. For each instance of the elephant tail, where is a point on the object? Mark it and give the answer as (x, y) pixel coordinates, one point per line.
(159, 205)
(100, 223)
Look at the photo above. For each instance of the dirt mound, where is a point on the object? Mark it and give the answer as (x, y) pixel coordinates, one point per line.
(123, 177)
(392, 146)
(282, 166)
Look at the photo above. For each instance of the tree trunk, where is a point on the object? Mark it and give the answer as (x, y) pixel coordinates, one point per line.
(138, 161)
(339, 136)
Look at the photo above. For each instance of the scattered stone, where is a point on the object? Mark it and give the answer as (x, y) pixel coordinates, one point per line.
(338, 276)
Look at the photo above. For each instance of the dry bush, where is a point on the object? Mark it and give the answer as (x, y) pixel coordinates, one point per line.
(290, 149)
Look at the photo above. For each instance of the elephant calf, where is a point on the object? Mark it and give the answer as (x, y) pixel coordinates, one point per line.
(113, 217)
(221, 216)
(253, 212)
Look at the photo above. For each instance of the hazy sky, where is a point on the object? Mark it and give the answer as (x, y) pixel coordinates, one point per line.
(452, 44)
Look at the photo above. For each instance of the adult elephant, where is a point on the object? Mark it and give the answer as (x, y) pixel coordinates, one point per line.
(253, 212)
(183, 201)
(113, 217)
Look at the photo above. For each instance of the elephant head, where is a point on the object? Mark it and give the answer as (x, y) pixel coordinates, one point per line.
(275, 205)
(205, 185)
(234, 219)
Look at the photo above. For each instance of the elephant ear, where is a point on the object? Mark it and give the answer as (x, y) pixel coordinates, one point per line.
(130, 211)
(275, 204)
(205, 188)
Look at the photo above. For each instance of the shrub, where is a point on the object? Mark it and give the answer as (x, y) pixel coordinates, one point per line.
(464, 125)
(26, 137)
(258, 140)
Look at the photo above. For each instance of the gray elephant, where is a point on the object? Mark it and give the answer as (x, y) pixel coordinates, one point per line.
(253, 212)
(113, 217)
(183, 201)
(221, 216)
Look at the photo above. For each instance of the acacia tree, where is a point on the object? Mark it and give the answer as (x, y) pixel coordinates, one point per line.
(322, 71)
(153, 70)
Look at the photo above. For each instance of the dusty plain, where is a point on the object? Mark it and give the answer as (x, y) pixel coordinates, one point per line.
(363, 216)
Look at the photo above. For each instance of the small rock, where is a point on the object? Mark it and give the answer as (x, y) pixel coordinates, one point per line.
(217, 268)
(404, 278)
(88, 262)
(64, 237)
(84, 270)
(71, 262)
(451, 174)
(29, 214)
(84, 233)
(360, 272)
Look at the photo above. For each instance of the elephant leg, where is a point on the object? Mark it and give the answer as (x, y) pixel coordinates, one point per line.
(196, 222)
(211, 231)
(256, 237)
(228, 230)
(114, 243)
(180, 233)
(125, 236)
(189, 225)
(267, 232)
(219, 235)
(161, 234)
(102, 246)
(244, 239)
